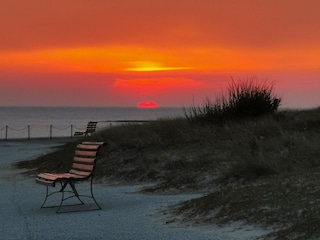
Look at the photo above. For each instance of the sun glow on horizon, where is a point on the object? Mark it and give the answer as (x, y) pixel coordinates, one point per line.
(148, 66)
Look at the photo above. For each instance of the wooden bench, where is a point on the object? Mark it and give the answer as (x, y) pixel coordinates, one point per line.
(91, 129)
(82, 169)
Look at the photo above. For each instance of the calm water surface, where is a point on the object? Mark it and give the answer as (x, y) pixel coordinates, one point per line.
(14, 121)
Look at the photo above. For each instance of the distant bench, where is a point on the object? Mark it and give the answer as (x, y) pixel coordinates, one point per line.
(91, 129)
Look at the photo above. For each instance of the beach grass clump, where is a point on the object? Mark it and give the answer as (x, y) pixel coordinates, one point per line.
(243, 100)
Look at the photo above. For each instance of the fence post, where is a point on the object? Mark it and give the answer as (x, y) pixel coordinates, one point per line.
(51, 131)
(71, 130)
(7, 132)
(28, 132)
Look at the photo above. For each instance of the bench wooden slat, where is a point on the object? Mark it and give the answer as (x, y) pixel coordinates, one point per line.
(45, 182)
(80, 173)
(53, 177)
(84, 160)
(48, 176)
(83, 167)
(81, 153)
(88, 146)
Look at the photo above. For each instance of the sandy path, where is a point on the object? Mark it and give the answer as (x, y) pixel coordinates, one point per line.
(125, 214)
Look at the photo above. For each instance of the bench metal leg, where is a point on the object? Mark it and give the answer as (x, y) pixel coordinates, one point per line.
(75, 193)
(52, 193)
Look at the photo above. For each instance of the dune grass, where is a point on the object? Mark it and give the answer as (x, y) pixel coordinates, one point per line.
(244, 99)
(264, 171)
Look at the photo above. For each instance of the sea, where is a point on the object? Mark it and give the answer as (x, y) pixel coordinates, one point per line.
(50, 122)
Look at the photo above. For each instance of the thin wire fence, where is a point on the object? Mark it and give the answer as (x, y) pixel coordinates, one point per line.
(31, 131)
(51, 131)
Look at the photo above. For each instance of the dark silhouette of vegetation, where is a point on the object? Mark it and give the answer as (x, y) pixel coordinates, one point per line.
(244, 99)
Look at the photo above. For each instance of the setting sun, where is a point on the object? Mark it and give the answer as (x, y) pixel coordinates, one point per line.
(148, 104)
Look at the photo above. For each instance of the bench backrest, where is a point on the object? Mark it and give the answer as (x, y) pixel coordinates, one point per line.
(91, 127)
(85, 158)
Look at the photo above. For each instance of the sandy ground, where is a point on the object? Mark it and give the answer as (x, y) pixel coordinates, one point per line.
(125, 213)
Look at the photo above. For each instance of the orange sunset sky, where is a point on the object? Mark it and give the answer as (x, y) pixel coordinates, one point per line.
(119, 53)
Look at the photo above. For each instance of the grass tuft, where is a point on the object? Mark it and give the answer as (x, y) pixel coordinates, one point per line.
(243, 100)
